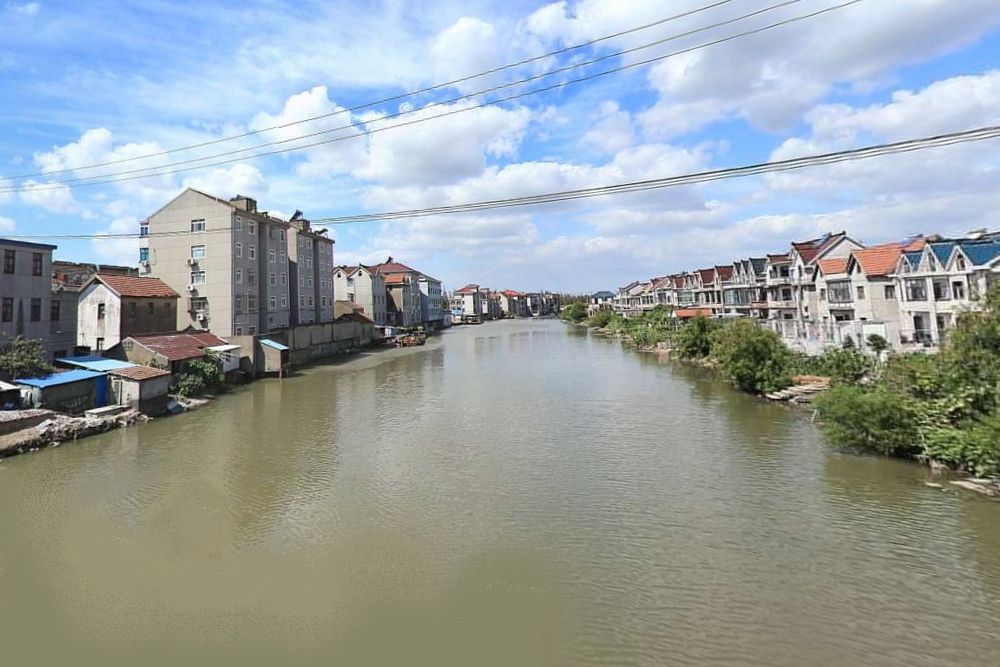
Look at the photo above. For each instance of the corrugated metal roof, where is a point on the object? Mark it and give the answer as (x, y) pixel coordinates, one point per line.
(94, 363)
(56, 379)
(273, 344)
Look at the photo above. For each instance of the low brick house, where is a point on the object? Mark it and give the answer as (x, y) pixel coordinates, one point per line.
(111, 308)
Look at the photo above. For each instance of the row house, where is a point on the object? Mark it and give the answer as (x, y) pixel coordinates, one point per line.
(365, 287)
(515, 304)
(628, 303)
(939, 280)
(744, 293)
(664, 293)
(600, 301)
(232, 262)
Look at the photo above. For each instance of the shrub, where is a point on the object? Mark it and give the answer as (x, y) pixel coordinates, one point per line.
(574, 312)
(693, 340)
(199, 376)
(877, 343)
(845, 365)
(874, 420)
(754, 357)
(601, 319)
(24, 357)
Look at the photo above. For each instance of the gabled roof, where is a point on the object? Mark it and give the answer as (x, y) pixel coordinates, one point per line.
(179, 346)
(136, 286)
(981, 252)
(878, 260)
(140, 373)
(471, 288)
(831, 267)
(942, 251)
(393, 267)
(778, 259)
(395, 279)
(724, 272)
(707, 275)
(758, 264)
(603, 295)
(355, 317)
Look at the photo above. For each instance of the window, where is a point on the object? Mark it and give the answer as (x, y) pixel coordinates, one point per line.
(272, 279)
(168, 308)
(251, 277)
(7, 309)
(916, 290)
(284, 278)
(36, 263)
(144, 228)
(309, 281)
(100, 344)
(252, 331)
(270, 233)
(252, 251)
(197, 252)
(198, 225)
(197, 303)
(251, 227)
(311, 303)
(36, 310)
(822, 294)
(143, 254)
(239, 331)
(131, 309)
(100, 311)
(284, 301)
(239, 249)
(958, 289)
(238, 225)
(151, 308)
(197, 277)
(272, 255)
(889, 291)
(55, 310)
(9, 261)
(272, 303)
(861, 293)
(239, 276)
(239, 304)
(251, 303)
(281, 257)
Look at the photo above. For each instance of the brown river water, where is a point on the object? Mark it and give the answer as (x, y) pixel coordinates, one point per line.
(516, 493)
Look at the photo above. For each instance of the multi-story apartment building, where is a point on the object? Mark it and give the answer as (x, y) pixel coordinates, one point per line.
(940, 280)
(29, 304)
(310, 272)
(364, 286)
(229, 259)
(431, 304)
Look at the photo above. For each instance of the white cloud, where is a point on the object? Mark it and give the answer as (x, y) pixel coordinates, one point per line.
(6, 190)
(53, 197)
(28, 8)
(467, 46)
(611, 129)
(6, 224)
(114, 250)
(240, 178)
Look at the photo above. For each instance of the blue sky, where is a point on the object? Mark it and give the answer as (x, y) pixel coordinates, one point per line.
(85, 83)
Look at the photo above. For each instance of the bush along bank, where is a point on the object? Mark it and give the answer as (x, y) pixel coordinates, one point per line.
(942, 408)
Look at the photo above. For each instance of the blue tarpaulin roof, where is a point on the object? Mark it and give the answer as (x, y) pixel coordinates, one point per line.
(59, 378)
(274, 344)
(94, 363)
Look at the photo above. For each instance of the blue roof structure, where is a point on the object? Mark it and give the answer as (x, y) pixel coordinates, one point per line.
(60, 378)
(942, 251)
(604, 295)
(913, 257)
(94, 363)
(273, 344)
(980, 253)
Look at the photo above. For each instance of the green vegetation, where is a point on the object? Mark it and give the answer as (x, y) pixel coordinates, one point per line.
(200, 376)
(574, 312)
(754, 357)
(601, 319)
(693, 340)
(23, 358)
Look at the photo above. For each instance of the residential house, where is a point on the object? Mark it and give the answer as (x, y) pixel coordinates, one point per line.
(364, 286)
(937, 282)
(402, 286)
(515, 304)
(598, 301)
(431, 301)
(168, 351)
(781, 308)
(227, 257)
(142, 388)
(468, 302)
(804, 256)
(310, 272)
(29, 304)
(112, 307)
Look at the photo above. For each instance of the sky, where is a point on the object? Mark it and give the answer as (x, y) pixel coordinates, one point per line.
(83, 84)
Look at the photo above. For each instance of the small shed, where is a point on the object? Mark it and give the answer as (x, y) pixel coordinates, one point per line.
(141, 387)
(228, 356)
(275, 355)
(73, 392)
(10, 396)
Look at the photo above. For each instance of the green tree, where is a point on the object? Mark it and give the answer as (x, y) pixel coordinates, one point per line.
(200, 376)
(754, 357)
(574, 312)
(875, 420)
(601, 319)
(877, 343)
(24, 357)
(693, 339)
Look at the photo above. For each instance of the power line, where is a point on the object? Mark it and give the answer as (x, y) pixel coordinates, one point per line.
(791, 164)
(453, 112)
(386, 100)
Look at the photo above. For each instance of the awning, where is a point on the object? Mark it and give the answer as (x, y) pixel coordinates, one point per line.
(273, 344)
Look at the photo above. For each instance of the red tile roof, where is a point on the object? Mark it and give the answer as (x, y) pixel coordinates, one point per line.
(779, 258)
(678, 281)
(134, 286)
(833, 266)
(878, 260)
(395, 279)
(707, 275)
(180, 346)
(915, 245)
(688, 313)
(471, 288)
(807, 250)
(140, 373)
(725, 272)
(355, 317)
(393, 267)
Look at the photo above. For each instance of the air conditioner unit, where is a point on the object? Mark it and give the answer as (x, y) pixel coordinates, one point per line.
(191, 261)
(192, 288)
(201, 316)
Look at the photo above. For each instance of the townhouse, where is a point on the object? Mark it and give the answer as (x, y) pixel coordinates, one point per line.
(600, 301)
(402, 287)
(364, 286)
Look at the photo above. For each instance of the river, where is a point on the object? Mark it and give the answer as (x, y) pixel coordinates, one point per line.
(516, 493)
